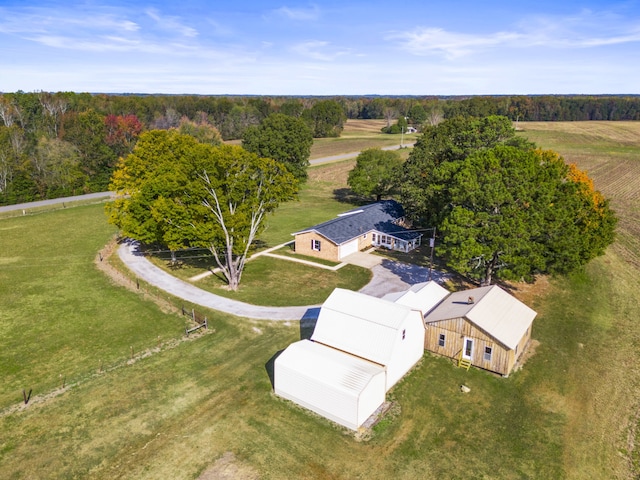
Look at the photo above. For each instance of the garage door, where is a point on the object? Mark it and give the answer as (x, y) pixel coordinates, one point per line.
(348, 248)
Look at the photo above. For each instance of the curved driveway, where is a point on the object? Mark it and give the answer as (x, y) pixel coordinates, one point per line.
(388, 277)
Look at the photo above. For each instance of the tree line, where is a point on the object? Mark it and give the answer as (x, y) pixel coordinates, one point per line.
(66, 143)
(502, 208)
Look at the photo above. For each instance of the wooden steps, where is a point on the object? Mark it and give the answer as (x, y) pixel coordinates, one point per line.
(463, 362)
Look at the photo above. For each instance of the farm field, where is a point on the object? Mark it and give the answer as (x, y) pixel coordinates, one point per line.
(358, 135)
(610, 153)
(204, 407)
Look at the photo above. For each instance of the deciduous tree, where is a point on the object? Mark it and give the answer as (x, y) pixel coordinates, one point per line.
(436, 157)
(377, 173)
(516, 213)
(284, 139)
(326, 118)
(180, 193)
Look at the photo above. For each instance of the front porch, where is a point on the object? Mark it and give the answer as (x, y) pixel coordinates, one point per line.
(392, 242)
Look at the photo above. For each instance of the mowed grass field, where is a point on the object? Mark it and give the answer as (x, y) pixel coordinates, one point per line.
(205, 408)
(359, 135)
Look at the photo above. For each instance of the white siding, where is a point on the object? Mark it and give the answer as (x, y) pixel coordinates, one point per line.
(338, 386)
(372, 328)
(422, 296)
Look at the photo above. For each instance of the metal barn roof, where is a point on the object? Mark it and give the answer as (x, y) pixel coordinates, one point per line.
(331, 367)
(493, 310)
(360, 324)
(421, 296)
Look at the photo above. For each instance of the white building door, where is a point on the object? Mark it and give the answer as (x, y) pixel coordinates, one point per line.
(467, 348)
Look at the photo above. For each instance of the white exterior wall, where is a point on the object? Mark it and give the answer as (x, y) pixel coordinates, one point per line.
(371, 328)
(333, 384)
(407, 352)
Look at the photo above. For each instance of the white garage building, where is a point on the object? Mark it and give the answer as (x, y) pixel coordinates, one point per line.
(360, 348)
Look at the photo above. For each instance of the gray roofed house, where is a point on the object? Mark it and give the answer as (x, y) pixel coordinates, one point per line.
(377, 224)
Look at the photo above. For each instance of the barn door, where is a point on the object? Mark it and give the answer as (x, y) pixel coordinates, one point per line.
(467, 348)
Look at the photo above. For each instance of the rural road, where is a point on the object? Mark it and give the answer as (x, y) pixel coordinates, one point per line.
(100, 195)
(345, 156)
(56, 201)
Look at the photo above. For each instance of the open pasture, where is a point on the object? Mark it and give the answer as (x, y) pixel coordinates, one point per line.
(570, 413)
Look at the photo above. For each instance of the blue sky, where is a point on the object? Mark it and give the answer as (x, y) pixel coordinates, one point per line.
(321, 48)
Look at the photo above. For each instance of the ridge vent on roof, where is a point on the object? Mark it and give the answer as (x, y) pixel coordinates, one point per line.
(352, 212)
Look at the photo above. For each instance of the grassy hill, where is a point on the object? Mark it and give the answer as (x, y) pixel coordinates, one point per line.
(141, 401)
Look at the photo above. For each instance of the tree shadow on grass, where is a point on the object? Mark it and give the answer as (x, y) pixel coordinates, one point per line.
(345, 195)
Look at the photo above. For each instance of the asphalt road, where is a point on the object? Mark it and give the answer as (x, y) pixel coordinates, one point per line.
(100, 195)
(56, 201)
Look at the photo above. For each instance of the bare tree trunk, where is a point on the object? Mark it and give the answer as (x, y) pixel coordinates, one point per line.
(231, 268)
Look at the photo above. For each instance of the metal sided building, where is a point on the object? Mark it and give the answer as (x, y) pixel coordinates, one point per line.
(486, 326)
(338, 386)
(382, 332)
(421, 296)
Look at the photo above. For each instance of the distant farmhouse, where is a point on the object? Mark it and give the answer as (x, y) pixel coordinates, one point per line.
(376, 225)
(362, 345)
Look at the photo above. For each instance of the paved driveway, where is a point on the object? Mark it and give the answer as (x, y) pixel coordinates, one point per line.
(388, 276)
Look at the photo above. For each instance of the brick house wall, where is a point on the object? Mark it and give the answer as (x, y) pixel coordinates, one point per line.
(328, 250)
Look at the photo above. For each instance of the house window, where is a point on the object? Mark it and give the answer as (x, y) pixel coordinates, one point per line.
(315, 245)
(487, 353)
(441, 340)
(373, 237)
(404, 332)
(364, 236)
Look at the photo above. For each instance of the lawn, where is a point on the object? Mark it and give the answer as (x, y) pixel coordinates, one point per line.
(571, 412)
(275, 282)
(60, 318)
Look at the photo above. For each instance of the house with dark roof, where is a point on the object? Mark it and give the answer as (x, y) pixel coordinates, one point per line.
(378, 224)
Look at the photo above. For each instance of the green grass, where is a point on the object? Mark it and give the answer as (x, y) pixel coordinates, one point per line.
(288, 251)
(276, 282)
(59, 316)
(173, 414)
(570, 413)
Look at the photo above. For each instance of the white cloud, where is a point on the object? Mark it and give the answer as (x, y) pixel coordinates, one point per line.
(318, 50)
(171, 24)
(303, 14)
(585, 30)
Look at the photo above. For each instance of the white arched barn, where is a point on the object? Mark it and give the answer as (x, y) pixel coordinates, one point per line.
(360, 348)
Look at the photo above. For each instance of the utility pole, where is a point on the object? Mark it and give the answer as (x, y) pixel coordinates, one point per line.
(432, 244)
